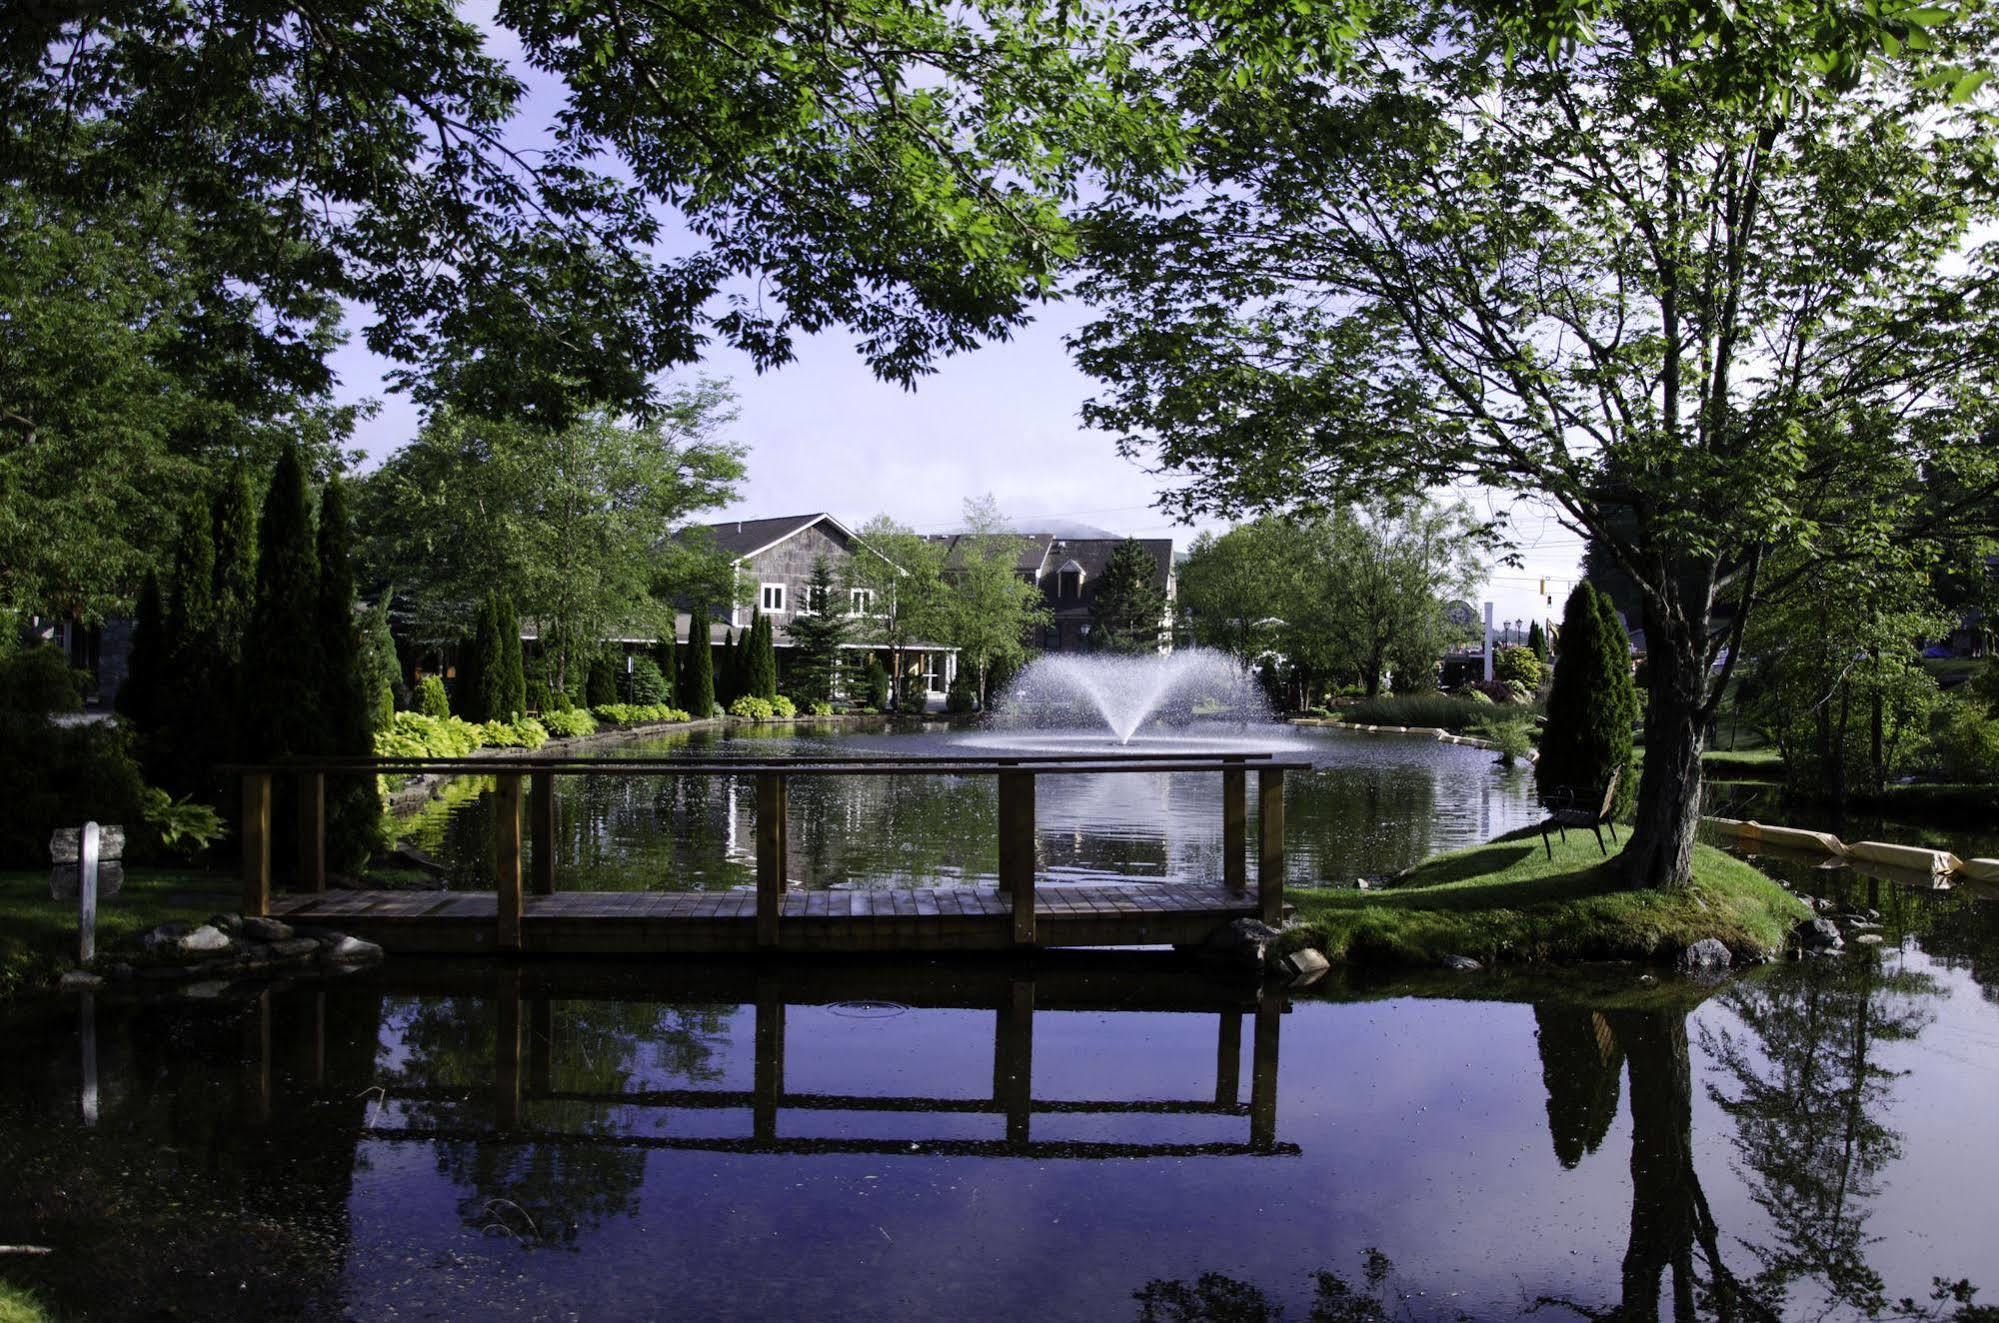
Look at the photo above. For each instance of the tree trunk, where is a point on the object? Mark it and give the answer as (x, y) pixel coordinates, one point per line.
(1661, 853)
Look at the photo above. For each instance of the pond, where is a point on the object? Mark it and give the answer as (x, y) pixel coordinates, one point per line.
(1093, 1136)
(1368, 806)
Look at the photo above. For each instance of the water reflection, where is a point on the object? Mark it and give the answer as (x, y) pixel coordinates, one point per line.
(1103, 1136)
(1367, 807)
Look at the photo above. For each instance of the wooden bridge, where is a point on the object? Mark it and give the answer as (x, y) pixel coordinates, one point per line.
(526, 911)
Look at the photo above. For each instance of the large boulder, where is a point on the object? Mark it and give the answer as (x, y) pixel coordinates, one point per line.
(205, 940)
(1817, 935)
(258, 929)
(1241, 943)
(1707, 956)
(349, 951)
(163, 936)
(1464, 964)
(1304, 966)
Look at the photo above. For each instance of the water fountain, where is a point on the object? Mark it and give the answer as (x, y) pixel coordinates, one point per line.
(1191, 698)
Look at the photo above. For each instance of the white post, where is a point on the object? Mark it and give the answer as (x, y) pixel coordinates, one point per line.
(86, 894)
(1488, 641)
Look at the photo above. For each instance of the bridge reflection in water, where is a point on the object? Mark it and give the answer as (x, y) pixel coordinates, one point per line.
(527, 1088)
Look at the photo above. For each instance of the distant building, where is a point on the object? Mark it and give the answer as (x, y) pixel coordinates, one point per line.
(1068, 570)
(774, 558)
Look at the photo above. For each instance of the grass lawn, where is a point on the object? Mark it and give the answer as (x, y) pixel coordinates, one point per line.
(1506, 900)
(38, 935)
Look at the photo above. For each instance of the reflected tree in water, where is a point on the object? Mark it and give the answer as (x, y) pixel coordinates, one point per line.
(1581, 1063)
(1215, 1298)
(587, 1051)
(1799, 1077)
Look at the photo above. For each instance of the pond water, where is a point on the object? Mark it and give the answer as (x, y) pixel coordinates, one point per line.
(1368, 806)
(1094, 1136)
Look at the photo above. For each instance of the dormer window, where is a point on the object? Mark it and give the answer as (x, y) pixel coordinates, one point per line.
(1069, 580)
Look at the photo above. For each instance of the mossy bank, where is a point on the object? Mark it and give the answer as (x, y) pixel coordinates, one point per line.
(1508, 900)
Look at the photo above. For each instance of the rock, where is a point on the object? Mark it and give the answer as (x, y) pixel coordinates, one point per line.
(1363, 885)
(164, 935)
(1818, 935)
(1463, 963)
(350, 951)
(80, 980)
(1705, 956)
(1240, 943)
(257, 929)
(293, 948)
(203, 940)
(206, 990)
(1305, 965)
(228, 923)
(1869, 939)
(1862, 926)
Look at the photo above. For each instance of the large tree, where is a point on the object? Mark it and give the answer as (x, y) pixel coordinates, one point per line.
(575, 523)
(818, 630)
(1236, 587)
(992, 612)
(902, 574)
(1128, 610)
(1670, 280)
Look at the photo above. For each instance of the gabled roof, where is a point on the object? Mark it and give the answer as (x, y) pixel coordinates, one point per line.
(746, 537)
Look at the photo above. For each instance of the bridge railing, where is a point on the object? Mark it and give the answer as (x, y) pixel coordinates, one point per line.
(524, 861)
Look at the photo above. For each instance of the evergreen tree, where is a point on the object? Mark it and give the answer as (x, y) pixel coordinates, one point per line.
(816, 636)
(381, 666)
(353, 803)
(728, 671)
(513, 667)
(1537, 641)
(699, 683)
(666, 656)
(233, 555)
(1126, 612)
(602, 686)
(468, 694)
(874, 683)
(762, 681)
(1592, 703)
(284, 670)
(146, 668)
(496, 688)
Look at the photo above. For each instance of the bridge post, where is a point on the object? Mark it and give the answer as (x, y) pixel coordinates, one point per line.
(767, 1085)
(1013, 1060)
(1228, 1060)
(507, 1053)
(312, 831)
(773, 801)
(1235, 829)
(507, 860)
(1270, 858)
(256, 843)
(1263, 1071)
(541, 814)
(1016, 850)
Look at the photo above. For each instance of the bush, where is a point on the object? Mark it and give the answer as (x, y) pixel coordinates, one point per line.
(523, 733)
(637, 714)
(1968, 746)
(1518, 666)
(416, 735)
(915, 695)
(538, 697)
(38, 679)
(648, 685)
(752, 708)
(784, 707)
(431, 700)
(601, 688)
(1444, 711)
(62, 776)
(1513, 736)
(874, 682)
(568, 723)
(821, 708)
(960, 697)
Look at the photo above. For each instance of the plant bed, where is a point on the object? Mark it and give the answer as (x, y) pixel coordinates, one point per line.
(1507, 900)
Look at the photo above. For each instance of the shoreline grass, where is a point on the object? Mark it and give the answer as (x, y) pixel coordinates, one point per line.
(38, 935)
(19, 1306)
(1507, 901)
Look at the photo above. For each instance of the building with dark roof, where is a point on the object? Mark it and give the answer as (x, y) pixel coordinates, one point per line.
(1068, 570)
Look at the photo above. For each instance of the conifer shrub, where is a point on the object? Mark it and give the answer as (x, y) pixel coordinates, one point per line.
(431, 700)
(601, 687)
(1592, 703)
(699, 695)
(648, 686)
(874, 683)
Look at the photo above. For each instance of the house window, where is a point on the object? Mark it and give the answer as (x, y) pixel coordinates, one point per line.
(860, 601)
(1071, 583)
(811, 601)
(773, 597)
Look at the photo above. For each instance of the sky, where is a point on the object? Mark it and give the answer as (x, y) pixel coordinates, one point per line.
(824, 434)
